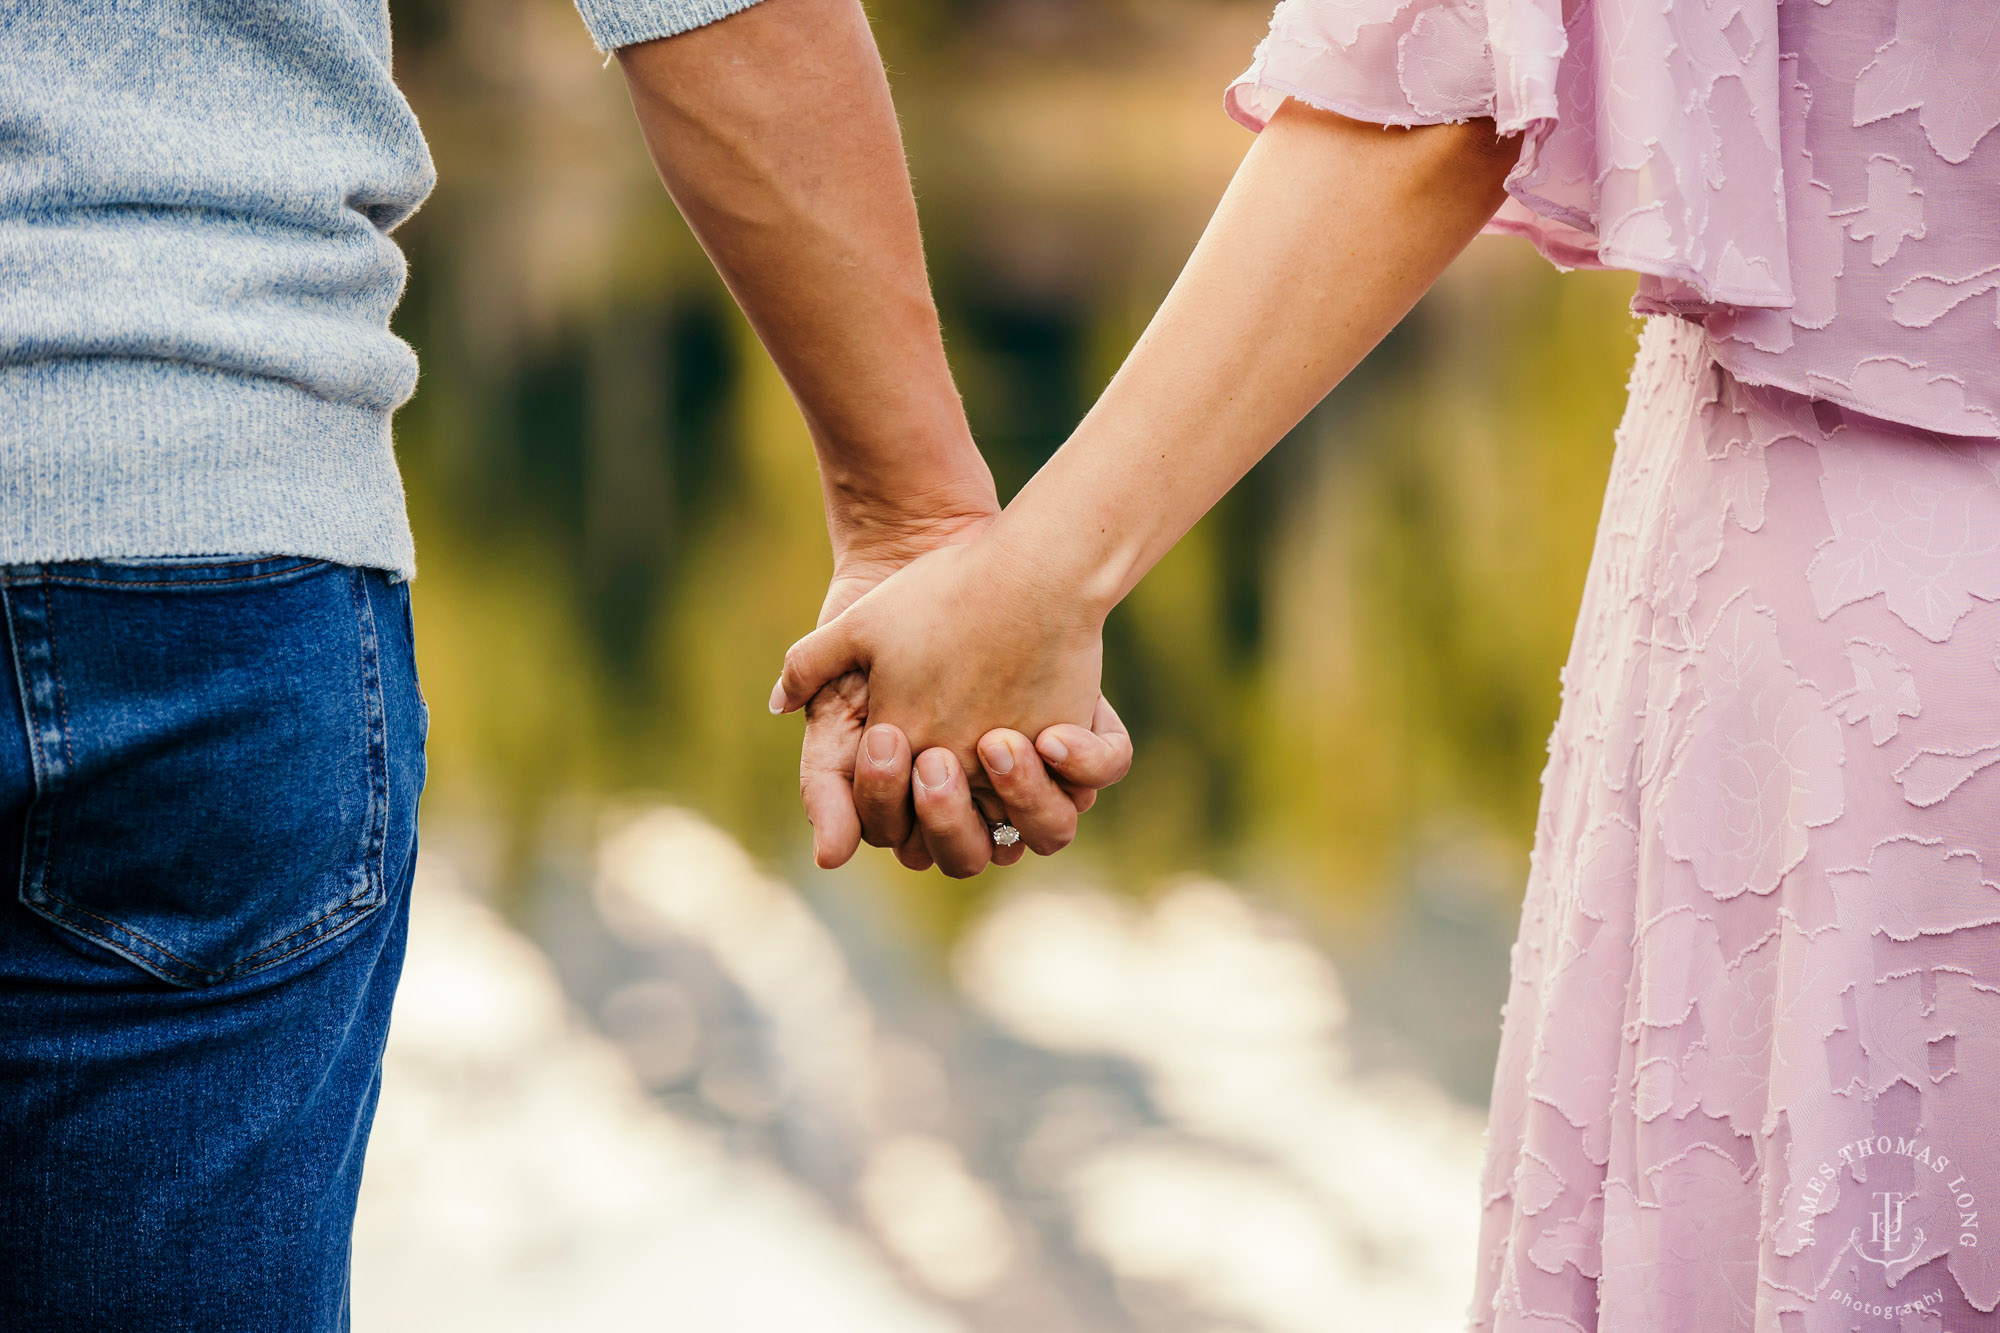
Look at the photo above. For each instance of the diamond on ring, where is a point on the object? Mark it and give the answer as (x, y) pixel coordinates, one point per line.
(1005, 834)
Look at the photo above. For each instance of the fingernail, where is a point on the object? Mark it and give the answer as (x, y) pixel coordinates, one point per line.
(1052, 749)
(933, 770)
(998, 757)
(778, 696)
(881, 745)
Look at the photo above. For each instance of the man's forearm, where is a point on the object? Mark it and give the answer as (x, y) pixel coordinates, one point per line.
(774, 132)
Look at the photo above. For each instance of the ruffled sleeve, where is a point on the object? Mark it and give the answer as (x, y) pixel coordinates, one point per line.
(1651, 130)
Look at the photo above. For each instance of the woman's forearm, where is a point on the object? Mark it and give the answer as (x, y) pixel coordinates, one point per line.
(774, 132)
(1328, 235)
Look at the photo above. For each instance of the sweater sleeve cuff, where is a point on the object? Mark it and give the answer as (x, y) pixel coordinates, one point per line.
(616, 23)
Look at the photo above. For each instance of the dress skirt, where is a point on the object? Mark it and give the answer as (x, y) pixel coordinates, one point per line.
(1750, 1072)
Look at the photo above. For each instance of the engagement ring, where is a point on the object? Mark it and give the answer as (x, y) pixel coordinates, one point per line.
(1005, 834)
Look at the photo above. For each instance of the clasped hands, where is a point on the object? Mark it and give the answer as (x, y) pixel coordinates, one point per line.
(942, 648)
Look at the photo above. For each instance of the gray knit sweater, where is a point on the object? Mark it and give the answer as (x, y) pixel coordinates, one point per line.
(196, 273)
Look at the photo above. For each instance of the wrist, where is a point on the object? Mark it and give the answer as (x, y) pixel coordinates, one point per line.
(895, 514)
(1067, 566)
(1090, 531)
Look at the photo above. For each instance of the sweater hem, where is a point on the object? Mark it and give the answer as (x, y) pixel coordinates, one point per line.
(617, 23)
(108, 458)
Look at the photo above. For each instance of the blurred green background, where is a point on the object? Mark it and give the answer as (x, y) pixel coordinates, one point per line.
(1340, 685)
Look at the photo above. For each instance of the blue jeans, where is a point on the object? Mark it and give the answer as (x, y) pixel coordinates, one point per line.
(209, 773)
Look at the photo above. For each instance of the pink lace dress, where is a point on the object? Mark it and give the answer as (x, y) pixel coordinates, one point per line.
(1750, 1074)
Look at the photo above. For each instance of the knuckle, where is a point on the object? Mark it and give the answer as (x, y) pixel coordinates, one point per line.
(881, 831)
(1090, 764)
(1048, 844)
(940, 817)
(884, 786)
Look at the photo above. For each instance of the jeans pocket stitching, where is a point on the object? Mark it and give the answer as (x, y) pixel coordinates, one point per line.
(147, 952)
(373, 891)
(40, 824)
(48, 781)
(61, 910)
(378, 733)
(78, 580)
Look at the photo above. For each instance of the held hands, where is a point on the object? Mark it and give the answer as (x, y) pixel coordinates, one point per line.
(955, 659)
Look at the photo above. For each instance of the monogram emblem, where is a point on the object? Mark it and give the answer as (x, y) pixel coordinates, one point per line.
(1885, 1232)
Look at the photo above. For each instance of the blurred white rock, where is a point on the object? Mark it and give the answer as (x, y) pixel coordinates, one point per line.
(942, 1221)
(520, 1178)
(1125, 1117)
(668, 876)
(1285, 1190)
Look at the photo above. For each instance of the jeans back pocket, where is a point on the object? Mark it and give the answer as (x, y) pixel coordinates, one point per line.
(211, 767)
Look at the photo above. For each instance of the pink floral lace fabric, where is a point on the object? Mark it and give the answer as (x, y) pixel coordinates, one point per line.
(1815, 180)
(1750, 1071)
